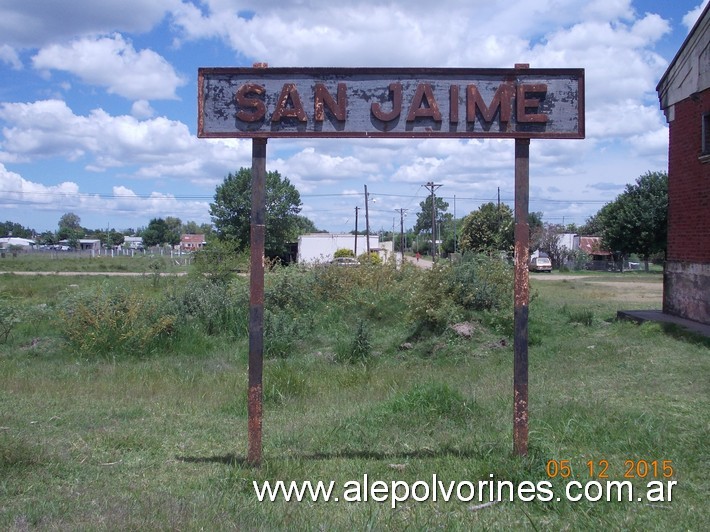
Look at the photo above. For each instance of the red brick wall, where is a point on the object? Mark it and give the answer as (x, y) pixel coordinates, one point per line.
(688, 184)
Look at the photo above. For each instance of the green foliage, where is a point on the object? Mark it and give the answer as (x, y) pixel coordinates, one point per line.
(488, 229)
(583, 316)
(156, 266)
(424, 216)
(13, 228)
(10, 317)
(211, 307)
(357, 349)
(432, 400)
(112, 319)
(162, 231)
(637, 220)
(231, 211)
(282, 332)
(372, 258)
(220, 261)
(451, 292)
(289, 288)
(343, 252)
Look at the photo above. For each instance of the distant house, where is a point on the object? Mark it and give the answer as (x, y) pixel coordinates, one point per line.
(592, 246)
(189, 242)
(23, 243)
(89, 244)
(599, 259)
(684, 95)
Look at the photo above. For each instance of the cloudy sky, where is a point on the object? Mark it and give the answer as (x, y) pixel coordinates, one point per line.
(98, 103)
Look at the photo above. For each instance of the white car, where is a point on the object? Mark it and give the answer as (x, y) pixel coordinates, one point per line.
(540, 264)
(345, 261)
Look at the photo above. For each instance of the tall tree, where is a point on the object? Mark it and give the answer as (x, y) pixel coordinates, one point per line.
(490, 228)
(70, 228)
(424, 216)
(637, 220)
(159, 232)
(70, 220)
(12, 228)
(231, 211)
(173, 230)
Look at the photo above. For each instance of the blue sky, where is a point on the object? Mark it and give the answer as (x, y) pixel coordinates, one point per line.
(98, 103)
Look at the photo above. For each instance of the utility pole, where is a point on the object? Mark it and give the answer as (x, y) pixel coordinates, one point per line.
(455, 236)
(356, 211)
(367, 223)
(432, 187)
(401, 212)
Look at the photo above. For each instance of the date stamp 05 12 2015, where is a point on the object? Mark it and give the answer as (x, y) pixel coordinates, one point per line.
(599, 469)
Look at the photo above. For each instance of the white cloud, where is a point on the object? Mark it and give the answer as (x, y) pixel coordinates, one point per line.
(112, 62)
(35, 23)
(142, 109)
(163, 149)
(692, 16)
(9, 55)
(20, 193)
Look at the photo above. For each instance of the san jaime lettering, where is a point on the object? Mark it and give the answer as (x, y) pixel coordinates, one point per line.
(510, 102)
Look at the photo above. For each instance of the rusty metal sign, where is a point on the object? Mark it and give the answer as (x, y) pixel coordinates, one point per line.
(391, 102)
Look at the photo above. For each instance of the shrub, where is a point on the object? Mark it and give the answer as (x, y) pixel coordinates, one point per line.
(219, 261)
(359, 348)
(9, 318)
(212, 307)
(343, 252)
(372, 258)
(289, 288)
(454, 291)
(112, 319)
(579, 315)
(282, 332)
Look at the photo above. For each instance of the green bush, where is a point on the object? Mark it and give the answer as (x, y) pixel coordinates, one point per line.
(451, 292)
(111, 319)
(213, 307)
(282, 332)
(343, 252)
(358, 348)
(372, 258)
(289, 288)
(219, 261)
(10, 317)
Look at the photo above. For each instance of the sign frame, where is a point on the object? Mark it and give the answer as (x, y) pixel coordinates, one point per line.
(291, 102)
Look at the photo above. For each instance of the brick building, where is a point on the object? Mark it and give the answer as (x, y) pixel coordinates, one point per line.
(190, 242)
(684, 94)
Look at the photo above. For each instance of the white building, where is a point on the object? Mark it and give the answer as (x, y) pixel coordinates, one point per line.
(320, 247)
(8, 241)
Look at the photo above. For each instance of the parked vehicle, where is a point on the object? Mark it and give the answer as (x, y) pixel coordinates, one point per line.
(540, 264)
(345, 261)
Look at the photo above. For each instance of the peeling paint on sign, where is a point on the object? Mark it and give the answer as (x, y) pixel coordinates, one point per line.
(406, 103)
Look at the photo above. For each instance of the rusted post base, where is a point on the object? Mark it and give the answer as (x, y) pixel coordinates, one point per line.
(256, 300)
(522, 297)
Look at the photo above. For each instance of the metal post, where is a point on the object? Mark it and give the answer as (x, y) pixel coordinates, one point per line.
(356, 210)
(522, 296)
(256, 298)
(367, 223)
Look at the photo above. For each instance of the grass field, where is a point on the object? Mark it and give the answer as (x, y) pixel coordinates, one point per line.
(157, 441)
(82, 262)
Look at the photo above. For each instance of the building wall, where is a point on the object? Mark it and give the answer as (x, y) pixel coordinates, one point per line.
(687, 273)
(320, 247)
